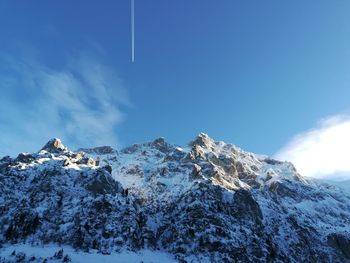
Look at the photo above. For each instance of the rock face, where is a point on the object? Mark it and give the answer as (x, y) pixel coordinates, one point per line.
(54, 146)
(340, 243)
(206, 202)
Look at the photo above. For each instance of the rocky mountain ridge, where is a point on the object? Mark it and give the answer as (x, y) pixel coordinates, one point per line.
(207, 201)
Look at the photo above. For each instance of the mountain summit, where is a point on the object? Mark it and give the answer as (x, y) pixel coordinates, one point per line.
(54, 146)
(208, 201)
(202, 140)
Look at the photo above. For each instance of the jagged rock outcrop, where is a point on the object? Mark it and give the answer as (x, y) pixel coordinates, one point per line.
(54, 146)
(208, 201)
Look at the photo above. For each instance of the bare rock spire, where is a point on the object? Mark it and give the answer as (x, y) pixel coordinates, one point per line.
(54, 146)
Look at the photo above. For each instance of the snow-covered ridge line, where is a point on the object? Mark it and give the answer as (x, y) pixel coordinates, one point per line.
(207, 200)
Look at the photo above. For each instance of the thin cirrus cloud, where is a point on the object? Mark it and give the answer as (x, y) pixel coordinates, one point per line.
(322, 152)
(79, 103)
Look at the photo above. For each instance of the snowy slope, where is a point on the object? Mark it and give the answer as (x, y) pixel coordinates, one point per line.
(52, 253)
(206, 201)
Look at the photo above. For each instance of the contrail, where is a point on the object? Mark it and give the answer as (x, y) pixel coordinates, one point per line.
(132, 31)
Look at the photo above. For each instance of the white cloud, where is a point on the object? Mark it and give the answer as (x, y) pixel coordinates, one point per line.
(322, 152)
(79, 103)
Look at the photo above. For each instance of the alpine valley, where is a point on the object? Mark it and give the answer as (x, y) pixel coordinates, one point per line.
(156, 202)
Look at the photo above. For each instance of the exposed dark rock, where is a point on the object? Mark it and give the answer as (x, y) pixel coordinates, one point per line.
(103, 183)
(161, 145)
(6, 159)
(20, 257)
(246, 207)
(24, 223)
(108, 168)
(283, 190)
(5, 162)
(24, 158)
(67, 162)
(341, 243)
(196, 172)
(271, 161)
(58, 254)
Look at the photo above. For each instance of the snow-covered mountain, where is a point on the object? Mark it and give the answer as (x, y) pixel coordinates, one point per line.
(206, 202)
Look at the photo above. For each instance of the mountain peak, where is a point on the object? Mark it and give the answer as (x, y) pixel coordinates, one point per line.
(54, 145)
(160, 140)
(202, 140)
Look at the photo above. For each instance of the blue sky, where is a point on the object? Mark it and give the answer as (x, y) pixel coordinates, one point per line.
(254, 73)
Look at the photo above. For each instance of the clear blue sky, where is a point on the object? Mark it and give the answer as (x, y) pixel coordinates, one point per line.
(253, 73)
